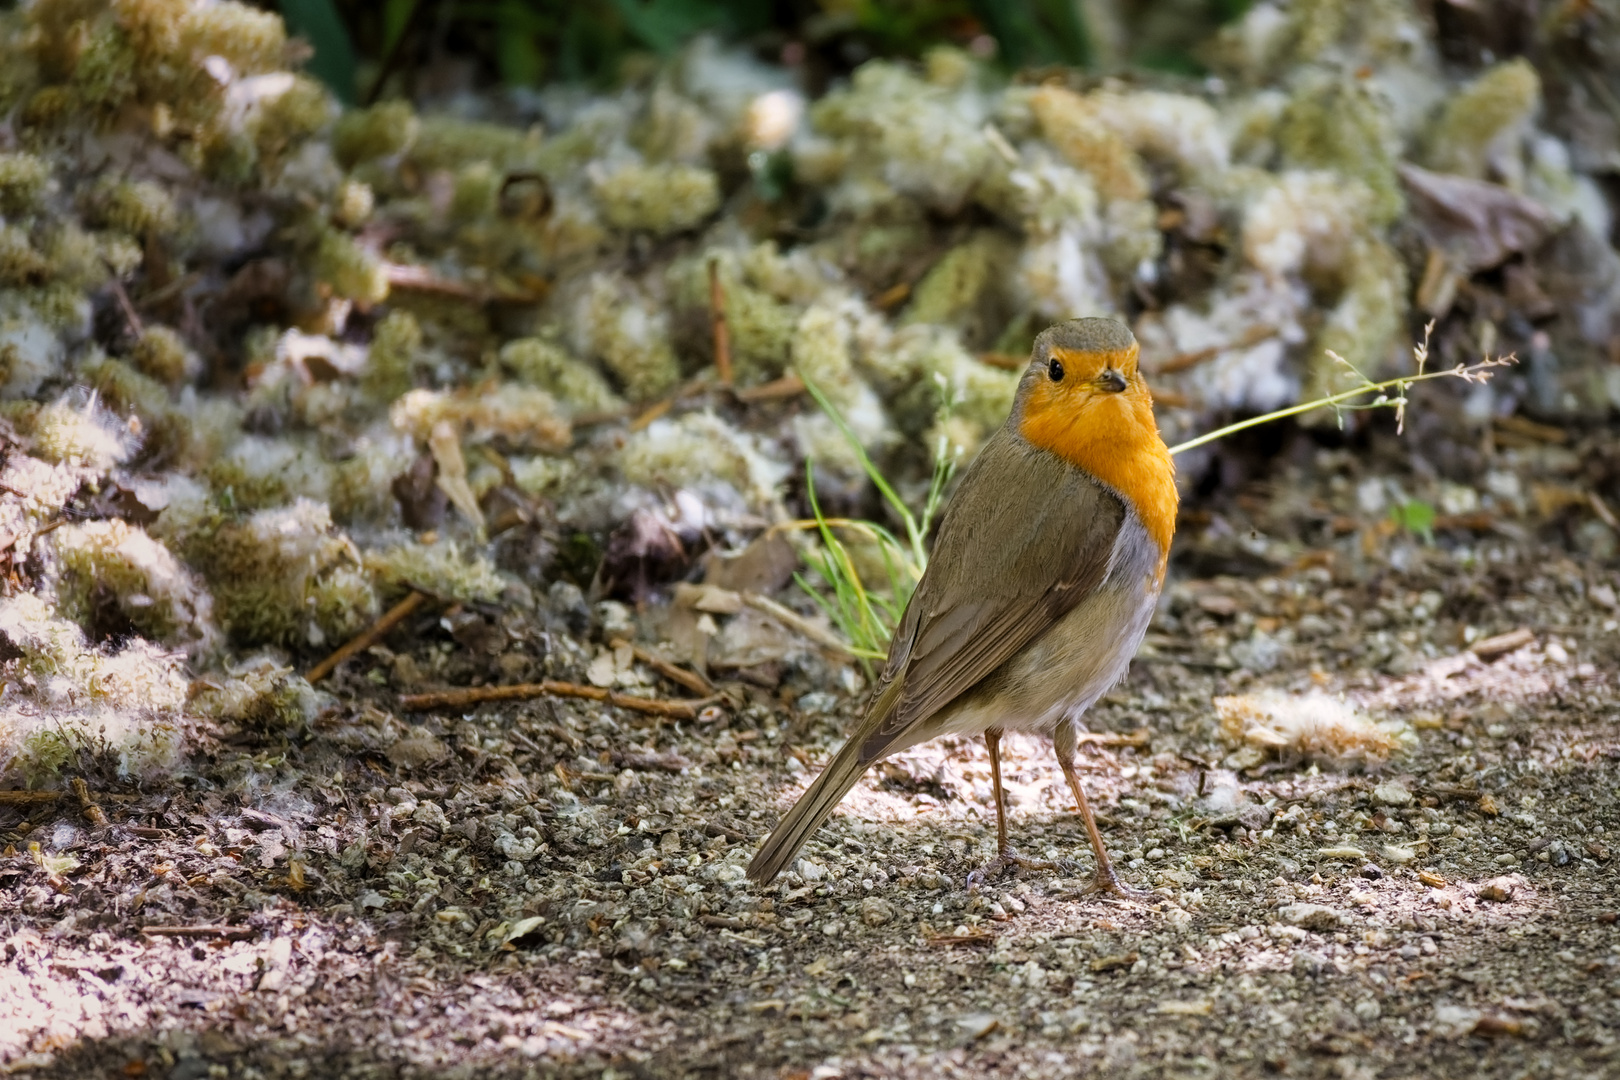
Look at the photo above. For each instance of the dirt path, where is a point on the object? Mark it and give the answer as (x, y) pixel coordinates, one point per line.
(553, 889)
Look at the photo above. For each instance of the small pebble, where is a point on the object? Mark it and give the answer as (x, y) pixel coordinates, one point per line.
(1310, 916)
(1391, 793)
(875, 911)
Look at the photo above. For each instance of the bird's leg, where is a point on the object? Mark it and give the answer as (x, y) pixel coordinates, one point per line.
(1006, 857)
(992, 743)
(1066, 740)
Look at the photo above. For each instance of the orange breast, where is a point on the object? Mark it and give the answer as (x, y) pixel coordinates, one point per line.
(1115, 439)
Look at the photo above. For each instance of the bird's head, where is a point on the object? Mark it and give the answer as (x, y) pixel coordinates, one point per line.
(1084, 400)
(1082, 373)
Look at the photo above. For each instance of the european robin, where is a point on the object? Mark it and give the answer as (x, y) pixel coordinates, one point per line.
(1041, 584)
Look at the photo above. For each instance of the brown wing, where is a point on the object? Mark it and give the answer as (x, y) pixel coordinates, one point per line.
(1025, 539)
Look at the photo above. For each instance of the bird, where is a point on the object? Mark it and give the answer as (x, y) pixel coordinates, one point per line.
(1043, 578)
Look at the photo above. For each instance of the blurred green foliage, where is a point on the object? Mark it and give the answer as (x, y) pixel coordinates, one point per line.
(1416, 517)
(530, 42)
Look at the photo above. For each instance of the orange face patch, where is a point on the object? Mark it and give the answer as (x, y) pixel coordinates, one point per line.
(1109, 433)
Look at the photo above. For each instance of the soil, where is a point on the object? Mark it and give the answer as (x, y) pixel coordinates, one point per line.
(555, 888)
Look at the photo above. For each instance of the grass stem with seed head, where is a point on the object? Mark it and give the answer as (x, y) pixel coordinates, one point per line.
(866, 618)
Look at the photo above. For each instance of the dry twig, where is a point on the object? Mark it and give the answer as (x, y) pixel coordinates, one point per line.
(1182, 361)
(230, 933)
(785, 387)
(92, 812)
(1501, 644)
(131, 316)
(29, 798)
(476, 695)
(367, 637)
(794, 621)
(892, 297)
(717, 318)
(674, 673)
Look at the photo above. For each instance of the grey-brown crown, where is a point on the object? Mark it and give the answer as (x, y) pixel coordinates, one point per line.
(1085, 335)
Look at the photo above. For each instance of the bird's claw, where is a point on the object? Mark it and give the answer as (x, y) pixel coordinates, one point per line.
(1009, 860)
(1105, 880)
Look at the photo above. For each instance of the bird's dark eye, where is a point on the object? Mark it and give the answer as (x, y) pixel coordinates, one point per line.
(1054, 371)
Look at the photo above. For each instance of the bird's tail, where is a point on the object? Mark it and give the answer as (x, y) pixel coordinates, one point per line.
(808, 814)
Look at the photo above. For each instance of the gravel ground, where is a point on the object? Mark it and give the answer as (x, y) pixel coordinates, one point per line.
(555, 888)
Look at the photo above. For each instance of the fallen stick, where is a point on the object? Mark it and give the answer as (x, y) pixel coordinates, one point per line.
(233, 933)
(29, 798)
(794, 621)
(92, 812)
(367, 637)
(892, 297)
(651, 413)
(717, 318)
(689, 679)
(1182, 361)
(476, 695)
(131, 317)
(1004, 361)
(1601, 509)
(785, 387)
(1488, 649)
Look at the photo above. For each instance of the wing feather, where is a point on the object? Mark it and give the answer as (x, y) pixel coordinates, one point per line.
(1008, 582)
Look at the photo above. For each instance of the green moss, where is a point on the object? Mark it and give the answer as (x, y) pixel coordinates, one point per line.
(158, 596)
(660, 199)
(162, 354)
(672, 128)
(23, 182)
(274, 576)
(441, 569)
(125, 390)
(1364, 325)
(153, 26)
(964, 288)
(361, 489)
(1069, 122)
(517, 416)
(904, 135)
(20, 263)
(1493, 107)
(1336, 125)
(450, 143)
(396, 343)
(630, 336)
(139, 207)
(292, 117)
(58, 303)
(477, 189)
(261, 472)
(700, 448)
(1318, 24)
(353, 205)
(385, 129)
(80, 436)
(253, 41)
(760, 325)
(258, 693)
(548, 366)
(105, 76)
(352, 271)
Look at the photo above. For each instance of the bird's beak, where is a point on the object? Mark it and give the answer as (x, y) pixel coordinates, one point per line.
(1111, 380)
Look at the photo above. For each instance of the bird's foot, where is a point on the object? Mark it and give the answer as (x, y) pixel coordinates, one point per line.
(1105, 880)
(1011, 860)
